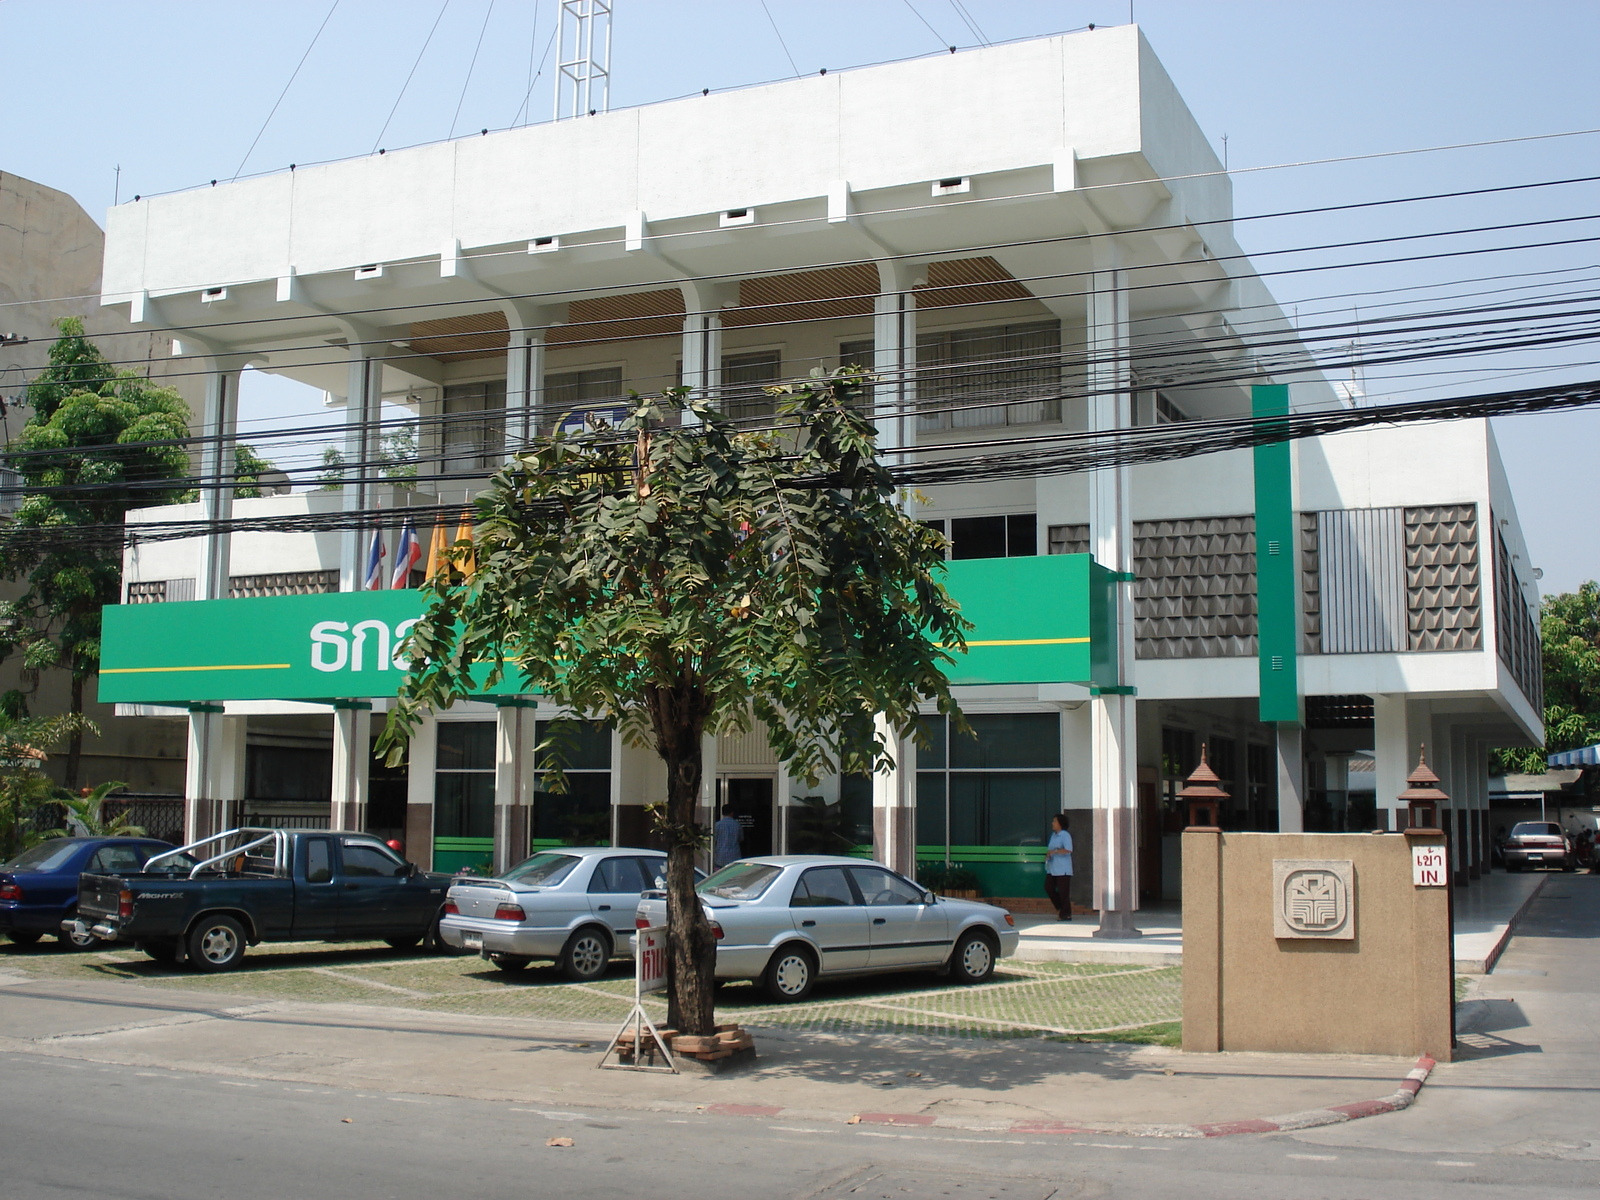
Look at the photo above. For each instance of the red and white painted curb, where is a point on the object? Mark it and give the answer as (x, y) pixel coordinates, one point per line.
(1401, 1098)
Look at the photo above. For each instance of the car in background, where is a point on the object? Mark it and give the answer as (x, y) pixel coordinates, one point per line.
(789, 920)
(1538, 844)
(574, 905)
(39, 888)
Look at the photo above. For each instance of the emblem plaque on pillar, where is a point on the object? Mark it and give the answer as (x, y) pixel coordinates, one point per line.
(1314, 898)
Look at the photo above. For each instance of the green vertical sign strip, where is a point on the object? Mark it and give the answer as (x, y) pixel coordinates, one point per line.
(1277, 593)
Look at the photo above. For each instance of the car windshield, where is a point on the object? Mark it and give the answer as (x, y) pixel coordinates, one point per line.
(170, 864)
(542, 870)
(46, 856)
(1535, 829)
(740, 881)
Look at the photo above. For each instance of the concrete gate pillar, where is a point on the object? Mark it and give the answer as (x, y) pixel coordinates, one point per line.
(352, 763)
(421, 757)
(1399, 726)
(213, 781)
(514, 779)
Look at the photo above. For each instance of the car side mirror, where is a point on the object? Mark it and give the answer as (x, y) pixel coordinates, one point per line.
(929, 898)
(410, 870)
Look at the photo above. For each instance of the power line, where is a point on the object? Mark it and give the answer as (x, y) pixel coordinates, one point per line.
(467, 82)
(292, 76)
(378, 142)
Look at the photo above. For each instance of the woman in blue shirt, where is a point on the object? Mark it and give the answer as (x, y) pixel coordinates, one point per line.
(1058, 867)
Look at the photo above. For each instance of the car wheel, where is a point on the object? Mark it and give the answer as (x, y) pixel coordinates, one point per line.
(435, 941)
(216, 944)
(25, 937)
(165, 953)
(510, 962)
(790, 975)
(973, 959)
(1569, 865)
(585, 956)
(78, 941)
(403, 943)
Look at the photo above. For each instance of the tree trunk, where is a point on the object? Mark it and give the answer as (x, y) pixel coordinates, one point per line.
(691, 978)
(75, 742)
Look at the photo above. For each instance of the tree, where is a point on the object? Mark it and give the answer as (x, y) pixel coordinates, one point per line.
(683, 582)
(397, 459)
(24, 788)
(1569, 637)
(100, 441)
(86, 817)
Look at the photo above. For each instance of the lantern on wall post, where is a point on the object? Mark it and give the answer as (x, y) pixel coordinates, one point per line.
(1423, 797)
(1203, 796)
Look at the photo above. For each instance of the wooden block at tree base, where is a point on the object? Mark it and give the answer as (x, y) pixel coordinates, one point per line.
(691, 1044)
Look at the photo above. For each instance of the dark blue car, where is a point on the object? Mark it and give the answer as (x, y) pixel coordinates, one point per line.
(39, 888)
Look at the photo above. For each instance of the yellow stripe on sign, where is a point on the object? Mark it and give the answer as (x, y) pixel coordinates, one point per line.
(152, 670)
(1077, 641)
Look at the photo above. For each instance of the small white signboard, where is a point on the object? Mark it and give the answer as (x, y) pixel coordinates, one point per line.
(651, 960)
(1427, 866)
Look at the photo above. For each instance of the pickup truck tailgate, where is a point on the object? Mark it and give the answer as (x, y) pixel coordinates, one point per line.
(99, 895)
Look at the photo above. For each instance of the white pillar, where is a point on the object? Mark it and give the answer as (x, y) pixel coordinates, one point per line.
(213, 773)
(352, 761)
(894, 800)
(702, 337)
(1113, 725)
(513, 782)
(709, 756)
(363, 401)
(1291, 778)
(213, 782)
(421, 758)
(894, 358)
(525, 367)
(1396, 732)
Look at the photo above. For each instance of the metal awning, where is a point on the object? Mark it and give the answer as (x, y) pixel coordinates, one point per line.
(1589, 756)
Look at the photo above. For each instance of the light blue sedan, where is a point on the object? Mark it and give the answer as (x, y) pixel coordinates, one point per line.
(788, 920)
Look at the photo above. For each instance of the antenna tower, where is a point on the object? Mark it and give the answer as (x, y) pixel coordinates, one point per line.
(583, 53)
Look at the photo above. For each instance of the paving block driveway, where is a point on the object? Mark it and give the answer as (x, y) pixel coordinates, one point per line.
(1130, 1003)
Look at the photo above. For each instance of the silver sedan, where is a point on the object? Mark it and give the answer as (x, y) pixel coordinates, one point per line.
(787, 921)
(574, 905)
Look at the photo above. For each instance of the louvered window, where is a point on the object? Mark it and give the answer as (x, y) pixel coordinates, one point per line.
(977, 378)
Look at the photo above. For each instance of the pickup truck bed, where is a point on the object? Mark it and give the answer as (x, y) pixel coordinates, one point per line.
(256, 886)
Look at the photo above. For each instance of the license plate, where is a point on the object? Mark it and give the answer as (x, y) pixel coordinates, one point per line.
(471, 939)
(1535, 858)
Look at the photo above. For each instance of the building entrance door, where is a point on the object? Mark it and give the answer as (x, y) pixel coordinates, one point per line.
(749, 797)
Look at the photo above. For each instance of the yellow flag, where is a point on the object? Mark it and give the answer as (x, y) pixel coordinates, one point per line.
(468, 562)
(438, 544)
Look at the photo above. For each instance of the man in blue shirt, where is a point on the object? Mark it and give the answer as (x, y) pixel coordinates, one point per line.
(727, 838)
(1058, 867)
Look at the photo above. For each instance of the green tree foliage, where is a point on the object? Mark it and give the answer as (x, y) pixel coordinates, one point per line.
(86, 815)
(24, 788)
(397, 459)
(100, 441)
(683, 582)
(1569, 636)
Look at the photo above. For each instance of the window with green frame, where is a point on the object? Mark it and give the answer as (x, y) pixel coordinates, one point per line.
(581, 815)
(987, 797)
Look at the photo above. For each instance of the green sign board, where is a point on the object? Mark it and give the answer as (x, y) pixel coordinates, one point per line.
(1038, 620)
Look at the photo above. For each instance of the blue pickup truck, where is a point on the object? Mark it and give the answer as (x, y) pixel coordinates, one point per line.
(247, 886)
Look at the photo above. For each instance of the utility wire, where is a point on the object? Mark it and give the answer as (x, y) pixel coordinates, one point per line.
(942, 43)
(292, 76)
(467, 82)
(793, 65)
(378, 142)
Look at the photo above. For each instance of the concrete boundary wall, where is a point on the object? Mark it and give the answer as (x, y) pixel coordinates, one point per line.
(1379, 983)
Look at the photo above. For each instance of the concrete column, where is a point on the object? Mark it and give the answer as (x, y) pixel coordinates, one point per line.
(213, 782)
(1112, 717)
(213, 776)
(1291, 778)
(352, 762)
(709, 756)
(702, 335)
(513, 782)
(525, 355)
(363, 401)
(1397, 732)
(421, 757)
(894, 812)
(894, 357)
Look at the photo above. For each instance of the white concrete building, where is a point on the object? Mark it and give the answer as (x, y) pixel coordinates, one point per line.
(1026, 238)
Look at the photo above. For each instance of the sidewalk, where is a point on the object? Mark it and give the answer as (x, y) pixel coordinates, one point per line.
(1486, 912)
(1022, 1086)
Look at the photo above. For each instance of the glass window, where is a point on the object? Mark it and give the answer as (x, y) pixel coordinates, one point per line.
(115, 858)
(370, 859)
(1016, 367)
(740, 881)
(46, 856)
(319, 861)
(570, 397)
(998, 786)
(743, 378)
(618, 875)
(1007, 741)
(463, 804)
(581, 815)
(542, 870)
(823, 887)
(466, 746)
(474, 427)
(880, 888)
(578, 745)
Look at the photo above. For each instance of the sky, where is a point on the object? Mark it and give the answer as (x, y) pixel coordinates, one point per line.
(180, 92)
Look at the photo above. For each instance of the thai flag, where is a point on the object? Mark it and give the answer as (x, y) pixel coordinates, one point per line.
(407, 554)
(374, 580)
